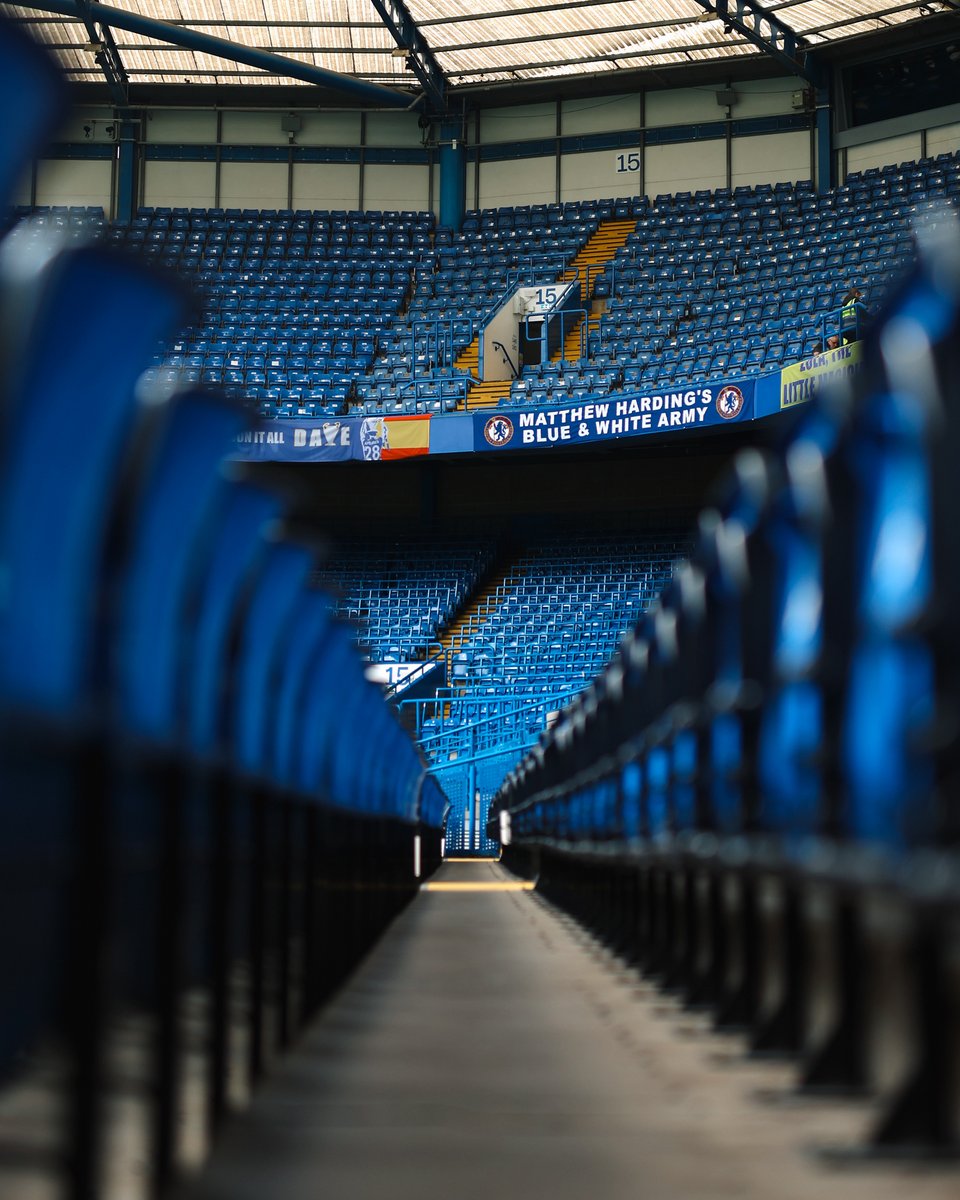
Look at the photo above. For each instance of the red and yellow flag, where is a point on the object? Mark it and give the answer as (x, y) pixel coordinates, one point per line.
(406, 437)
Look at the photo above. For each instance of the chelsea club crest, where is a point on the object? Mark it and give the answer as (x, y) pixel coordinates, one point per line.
(498, 431)
(729, 402)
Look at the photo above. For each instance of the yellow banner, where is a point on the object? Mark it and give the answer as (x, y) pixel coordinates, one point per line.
(799, 381)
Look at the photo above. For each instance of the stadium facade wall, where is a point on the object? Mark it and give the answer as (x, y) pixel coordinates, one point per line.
(574, 149)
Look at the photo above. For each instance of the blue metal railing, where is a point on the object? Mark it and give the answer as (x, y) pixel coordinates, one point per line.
(448, 704)
(564, 320)
(446, 388)
(833, 324)
(440, 338)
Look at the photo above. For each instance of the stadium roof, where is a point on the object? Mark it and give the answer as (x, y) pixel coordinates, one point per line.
(438, 47)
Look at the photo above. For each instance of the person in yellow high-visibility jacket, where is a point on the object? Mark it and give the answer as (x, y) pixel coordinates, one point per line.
(849, 325)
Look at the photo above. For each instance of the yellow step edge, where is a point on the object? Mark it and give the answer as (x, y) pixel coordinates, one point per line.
(520, 885)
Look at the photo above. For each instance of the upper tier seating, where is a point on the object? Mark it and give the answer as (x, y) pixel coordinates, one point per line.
(715, 284)
(496, 251)
(293, 301)
(80, 220)
(321, 313)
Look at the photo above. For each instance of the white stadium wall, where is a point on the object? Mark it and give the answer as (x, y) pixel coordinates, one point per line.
(61, 181)
(326, 185)
(518, 123)
(601, 114)
(253, 185)
(770, 158)
(944, 140)
(681, 106)
(393, 186)
(685, 167)
(177, 126)
(887, 150)
(180, 184)
(518, 181)
(528, 154)
(393, 129)
(594, 174)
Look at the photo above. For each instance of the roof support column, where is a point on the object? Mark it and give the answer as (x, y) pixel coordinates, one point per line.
(128, 169)
(453, 175)
(825, 180)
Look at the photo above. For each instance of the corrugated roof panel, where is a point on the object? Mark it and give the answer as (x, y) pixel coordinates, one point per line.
(158, 10)
(846, 20)
(609, 52)
(65, 38)
(475, 41)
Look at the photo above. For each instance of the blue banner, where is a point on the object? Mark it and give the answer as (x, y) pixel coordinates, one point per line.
(626, 415)
(291, 439)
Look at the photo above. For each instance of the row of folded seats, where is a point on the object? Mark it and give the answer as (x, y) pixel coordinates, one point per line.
(756, 801)
(775, 262)
(530, 634)
(270, 278)
(189, 745)
(562, 383)
(400, 592)
(553, 618)
(540, 216)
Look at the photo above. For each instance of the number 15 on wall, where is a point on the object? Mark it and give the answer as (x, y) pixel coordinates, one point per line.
(628, 162)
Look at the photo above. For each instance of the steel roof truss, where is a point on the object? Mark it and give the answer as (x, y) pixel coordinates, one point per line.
(396, 16)
(106, 55)
(773, 37)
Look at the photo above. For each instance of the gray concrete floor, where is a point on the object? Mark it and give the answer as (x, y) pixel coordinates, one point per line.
(487, 1048)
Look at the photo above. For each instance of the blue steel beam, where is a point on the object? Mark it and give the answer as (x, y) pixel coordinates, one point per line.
(203, 43)
(396, 16)
(106, 55)
(762, 28)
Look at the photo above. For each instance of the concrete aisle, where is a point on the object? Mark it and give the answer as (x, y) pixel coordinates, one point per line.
(487, 1049)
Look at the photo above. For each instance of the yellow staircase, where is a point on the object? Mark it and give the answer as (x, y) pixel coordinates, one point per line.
(598, 252)
(600, 248)
(481, 395)
(473, 616)
(469, 621)
(490, 394)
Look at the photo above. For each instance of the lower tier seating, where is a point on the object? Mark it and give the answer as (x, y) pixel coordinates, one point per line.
(400, 592)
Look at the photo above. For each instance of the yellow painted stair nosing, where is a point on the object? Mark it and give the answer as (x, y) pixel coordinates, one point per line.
(520, 885)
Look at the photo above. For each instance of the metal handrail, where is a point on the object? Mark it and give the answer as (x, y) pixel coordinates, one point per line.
(518, 702)
(562, 315)
(510, 363)
(497, 752)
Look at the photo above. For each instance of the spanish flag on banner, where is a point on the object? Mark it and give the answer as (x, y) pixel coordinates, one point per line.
(405, 437)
